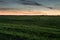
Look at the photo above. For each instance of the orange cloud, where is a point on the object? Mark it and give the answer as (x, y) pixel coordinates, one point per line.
(21, 12)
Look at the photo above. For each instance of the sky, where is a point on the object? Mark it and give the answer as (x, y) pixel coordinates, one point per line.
(31, 5)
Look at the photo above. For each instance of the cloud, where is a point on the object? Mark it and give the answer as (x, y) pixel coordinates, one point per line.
(1, 1)
(7, 8)
(50, 7)
(29, 2)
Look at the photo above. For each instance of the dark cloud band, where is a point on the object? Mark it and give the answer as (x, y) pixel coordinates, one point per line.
(27, 2)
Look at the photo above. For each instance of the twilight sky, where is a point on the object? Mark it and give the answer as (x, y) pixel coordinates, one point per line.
(30, 5)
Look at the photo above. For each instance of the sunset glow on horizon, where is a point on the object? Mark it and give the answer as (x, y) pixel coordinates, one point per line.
(21, 12)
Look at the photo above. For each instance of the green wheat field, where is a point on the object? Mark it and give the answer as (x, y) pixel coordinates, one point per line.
(29, 27)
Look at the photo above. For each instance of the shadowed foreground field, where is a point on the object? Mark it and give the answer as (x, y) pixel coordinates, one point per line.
(29, 27)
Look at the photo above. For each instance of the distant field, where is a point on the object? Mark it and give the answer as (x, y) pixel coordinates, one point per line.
(29, 27)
